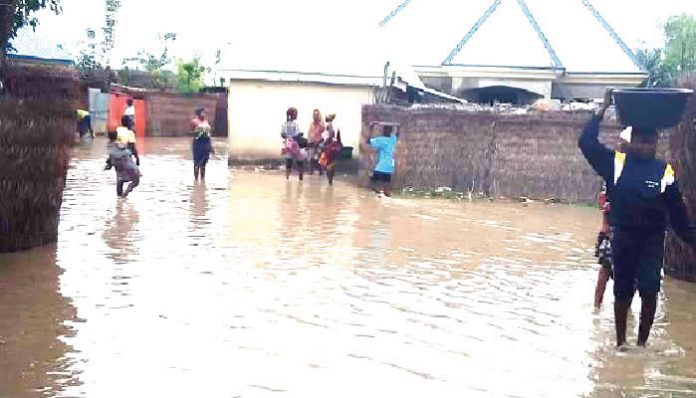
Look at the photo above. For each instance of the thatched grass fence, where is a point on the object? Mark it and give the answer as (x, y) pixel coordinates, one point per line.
(493, 154)
(37, 124)
(680, 259)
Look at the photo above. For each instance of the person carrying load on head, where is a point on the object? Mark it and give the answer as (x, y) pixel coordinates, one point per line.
(645, 197)
(385, 165)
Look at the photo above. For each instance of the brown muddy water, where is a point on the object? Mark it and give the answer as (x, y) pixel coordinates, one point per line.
(251, 286)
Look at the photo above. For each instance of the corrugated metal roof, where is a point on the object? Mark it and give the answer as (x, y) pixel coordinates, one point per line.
(581, 41)
(554, 34)
(520, 46)
(304, 77)
(30, 45)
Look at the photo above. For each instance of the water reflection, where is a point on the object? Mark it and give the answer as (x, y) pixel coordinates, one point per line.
(120, 233)
(35, 323)
(199, 208)
(250, 285)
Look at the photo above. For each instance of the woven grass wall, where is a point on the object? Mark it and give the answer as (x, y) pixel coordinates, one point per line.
(532, 155)
(37, 124)
(680, 260)
(437, 148)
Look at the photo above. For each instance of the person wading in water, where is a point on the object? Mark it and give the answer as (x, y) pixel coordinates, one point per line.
(202, 146)
(644, 194)
(603, 247)
(294, 144)
(315, 137)
(385, 145)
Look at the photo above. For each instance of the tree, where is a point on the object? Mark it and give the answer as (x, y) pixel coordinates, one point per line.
(14, 14)
(109, 29)
(155, 63)
(87, 60)
(190, 75)
(660, 74)
(680, 43)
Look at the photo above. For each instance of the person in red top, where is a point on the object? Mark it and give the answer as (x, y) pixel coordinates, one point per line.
(329, 155)
(603, 247)
(603, 250)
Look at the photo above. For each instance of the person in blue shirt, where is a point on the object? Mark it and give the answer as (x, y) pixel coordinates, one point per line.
(645, 198)
(385, 145)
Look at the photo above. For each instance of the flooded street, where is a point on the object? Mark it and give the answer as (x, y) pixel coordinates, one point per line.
(252, 286)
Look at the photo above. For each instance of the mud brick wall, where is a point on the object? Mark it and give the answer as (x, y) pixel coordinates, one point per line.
(499, 155)
(170, 114)
(537, 156)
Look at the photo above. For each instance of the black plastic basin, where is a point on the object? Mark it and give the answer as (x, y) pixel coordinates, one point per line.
(651, 108)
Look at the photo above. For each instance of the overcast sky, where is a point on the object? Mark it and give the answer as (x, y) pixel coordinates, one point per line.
(204, 26)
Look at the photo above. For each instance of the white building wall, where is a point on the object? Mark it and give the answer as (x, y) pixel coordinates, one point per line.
(257, 112)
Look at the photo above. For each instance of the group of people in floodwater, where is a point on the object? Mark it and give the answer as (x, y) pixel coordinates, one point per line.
(640, 201)
(322, 148)
(123, 152)
(318, 151)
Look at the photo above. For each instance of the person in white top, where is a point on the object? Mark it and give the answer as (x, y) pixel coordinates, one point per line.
(130, 113)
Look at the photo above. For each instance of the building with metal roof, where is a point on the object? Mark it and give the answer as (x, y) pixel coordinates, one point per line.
(28, 46)
(511, 50)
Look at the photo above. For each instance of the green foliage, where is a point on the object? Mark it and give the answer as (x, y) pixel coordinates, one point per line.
(87, 60)
(680, 43)
(661, 75)
(190, 75)
(95, 56)
(678, 58)
(19, 13)
(155, 64)
(109, 28)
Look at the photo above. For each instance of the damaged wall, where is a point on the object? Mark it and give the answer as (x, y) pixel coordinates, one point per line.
(533, 155)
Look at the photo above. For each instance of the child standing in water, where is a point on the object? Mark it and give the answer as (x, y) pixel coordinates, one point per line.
(121, 158)
(603, 250)
(385, 166)
(603, 247)
(293, 144)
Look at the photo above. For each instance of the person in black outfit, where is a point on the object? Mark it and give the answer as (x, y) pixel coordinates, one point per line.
(645, 198)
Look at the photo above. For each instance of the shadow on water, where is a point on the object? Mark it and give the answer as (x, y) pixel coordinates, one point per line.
(35, 323)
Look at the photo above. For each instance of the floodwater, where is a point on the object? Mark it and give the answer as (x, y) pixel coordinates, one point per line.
(252, 286)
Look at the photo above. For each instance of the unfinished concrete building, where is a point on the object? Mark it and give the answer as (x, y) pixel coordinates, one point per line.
(511, 51)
